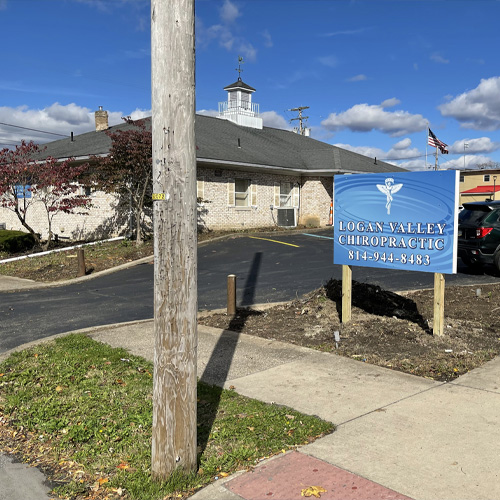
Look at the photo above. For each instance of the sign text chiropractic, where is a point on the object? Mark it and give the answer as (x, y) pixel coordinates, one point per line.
(412, 235)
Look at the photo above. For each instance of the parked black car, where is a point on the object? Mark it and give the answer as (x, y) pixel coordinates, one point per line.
(479, 233)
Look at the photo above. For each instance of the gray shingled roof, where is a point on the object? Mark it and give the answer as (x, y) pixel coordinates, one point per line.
(225, 143)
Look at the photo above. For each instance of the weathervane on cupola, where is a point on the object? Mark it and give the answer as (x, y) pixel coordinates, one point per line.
(239, 70)
(239, 107)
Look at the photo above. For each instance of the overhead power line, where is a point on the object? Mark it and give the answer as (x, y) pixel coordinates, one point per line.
(33, 129)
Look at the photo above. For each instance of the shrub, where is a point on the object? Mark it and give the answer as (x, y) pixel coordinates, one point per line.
(16, 241)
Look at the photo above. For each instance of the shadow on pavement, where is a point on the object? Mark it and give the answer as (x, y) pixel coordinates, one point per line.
(217, 370)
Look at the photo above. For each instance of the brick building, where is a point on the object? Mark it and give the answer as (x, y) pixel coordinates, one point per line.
(248, 175)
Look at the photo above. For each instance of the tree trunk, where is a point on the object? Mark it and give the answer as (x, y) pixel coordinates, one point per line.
(138, 230)
(174, 215)
(22, 220)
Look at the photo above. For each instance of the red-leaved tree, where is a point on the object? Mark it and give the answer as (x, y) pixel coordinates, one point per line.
(128, 169)
(27, 181)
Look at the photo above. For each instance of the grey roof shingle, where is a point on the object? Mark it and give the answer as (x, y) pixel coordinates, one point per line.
(221, 141)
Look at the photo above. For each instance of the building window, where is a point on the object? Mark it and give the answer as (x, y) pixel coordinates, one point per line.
(486, 178)
(241, 192)
(286, 194)
(462, 178)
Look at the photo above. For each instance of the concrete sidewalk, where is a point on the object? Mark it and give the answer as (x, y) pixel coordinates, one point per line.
(398, 436)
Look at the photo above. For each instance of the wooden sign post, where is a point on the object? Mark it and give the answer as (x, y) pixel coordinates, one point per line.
(346, 293)
(438, 327)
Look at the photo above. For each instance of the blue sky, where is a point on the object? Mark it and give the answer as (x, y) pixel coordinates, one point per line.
(374, 73)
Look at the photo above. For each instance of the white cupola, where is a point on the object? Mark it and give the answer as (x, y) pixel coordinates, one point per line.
(239, 107)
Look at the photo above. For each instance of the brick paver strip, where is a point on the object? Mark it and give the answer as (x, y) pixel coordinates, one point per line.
(285, 477)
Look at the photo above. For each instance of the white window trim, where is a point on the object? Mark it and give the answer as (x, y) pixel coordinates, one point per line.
(248, 193)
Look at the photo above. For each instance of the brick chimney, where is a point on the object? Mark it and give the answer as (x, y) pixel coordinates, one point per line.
(101, 120)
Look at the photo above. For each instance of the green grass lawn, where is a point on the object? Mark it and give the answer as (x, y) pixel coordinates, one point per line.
(84, 411)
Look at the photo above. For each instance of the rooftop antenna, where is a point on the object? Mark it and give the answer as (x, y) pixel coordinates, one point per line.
(239, 70)
(302, 129)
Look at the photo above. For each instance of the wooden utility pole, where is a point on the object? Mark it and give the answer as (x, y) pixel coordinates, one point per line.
(175, 261)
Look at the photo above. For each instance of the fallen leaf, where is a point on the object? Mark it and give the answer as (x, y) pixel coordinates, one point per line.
(232, 387)
(223, 474)
(313, 491)
(59, 388)
(123, 466)
(251, 428)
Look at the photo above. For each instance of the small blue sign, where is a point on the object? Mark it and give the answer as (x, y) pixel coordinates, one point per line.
(398, 220)
(23, 191)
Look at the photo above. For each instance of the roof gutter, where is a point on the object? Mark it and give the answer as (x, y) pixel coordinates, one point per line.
(242, 165)
(273, 168)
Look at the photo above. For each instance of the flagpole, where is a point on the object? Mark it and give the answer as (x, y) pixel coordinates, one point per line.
(426, 146)
(436, 164)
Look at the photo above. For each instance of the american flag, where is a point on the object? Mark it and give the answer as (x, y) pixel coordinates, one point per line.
(435, 142)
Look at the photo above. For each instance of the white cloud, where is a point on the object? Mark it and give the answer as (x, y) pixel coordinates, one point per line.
(480, 145)
(390, 103)
(478, 108)
(223, 34)
(229, 12)
(357, 78)
(275, 120)
(399, 151)
(268, 41)
(471, 161)
(207, 112)
(413, 164)
(345, 32)
(270, 118)
(330, 61)
(59, 120)
(438, 58)
(365, 117)
(404, 144)
(411, 158)
(138, 114)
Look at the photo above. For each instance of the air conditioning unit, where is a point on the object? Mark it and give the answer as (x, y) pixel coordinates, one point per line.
(286, 217)
(3, 225)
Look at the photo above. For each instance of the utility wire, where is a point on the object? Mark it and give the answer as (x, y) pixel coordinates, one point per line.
(33, 129)
(411, 157)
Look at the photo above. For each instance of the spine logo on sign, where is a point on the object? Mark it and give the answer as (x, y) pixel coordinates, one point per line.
(389, 188)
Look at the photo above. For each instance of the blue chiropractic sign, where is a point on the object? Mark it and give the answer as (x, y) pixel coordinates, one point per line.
(398, 220)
